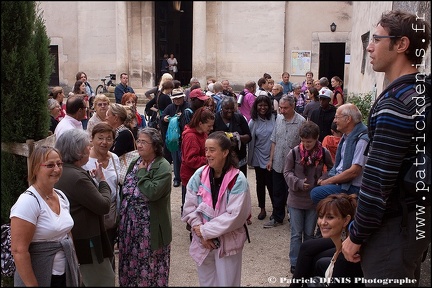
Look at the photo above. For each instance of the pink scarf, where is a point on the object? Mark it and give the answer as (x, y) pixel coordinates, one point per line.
(312, 157)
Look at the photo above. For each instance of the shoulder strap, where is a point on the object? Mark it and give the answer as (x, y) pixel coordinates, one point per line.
(31, 193)
(59, 194)
(115, 168)
(294, 156)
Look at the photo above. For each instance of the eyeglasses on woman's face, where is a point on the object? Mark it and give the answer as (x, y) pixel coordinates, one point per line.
(143, 142)
(52, 165)
(100, 104)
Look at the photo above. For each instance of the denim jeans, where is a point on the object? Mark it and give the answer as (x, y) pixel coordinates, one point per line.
(303, 223)
(176, 158)
(320, 192)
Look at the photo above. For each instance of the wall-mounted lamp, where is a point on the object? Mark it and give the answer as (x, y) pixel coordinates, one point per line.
(333, 27)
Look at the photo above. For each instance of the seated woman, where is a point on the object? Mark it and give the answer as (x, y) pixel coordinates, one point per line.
(322, 257)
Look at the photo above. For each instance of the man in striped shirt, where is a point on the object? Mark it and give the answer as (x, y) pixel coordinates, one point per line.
(389, 242)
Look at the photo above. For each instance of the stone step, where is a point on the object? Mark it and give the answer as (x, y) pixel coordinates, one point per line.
(142, 99)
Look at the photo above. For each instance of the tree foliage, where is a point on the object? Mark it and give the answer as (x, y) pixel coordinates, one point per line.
(363, 101)
(26, 69)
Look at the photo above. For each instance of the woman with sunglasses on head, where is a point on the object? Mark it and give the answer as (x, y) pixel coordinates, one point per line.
(41, 223)
(308, 82)
(100, 105)
(90, 199)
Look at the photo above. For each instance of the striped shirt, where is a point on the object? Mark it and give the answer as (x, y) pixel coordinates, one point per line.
(394, 136)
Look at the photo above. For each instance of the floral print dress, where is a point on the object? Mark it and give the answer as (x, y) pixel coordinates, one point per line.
(139, 265)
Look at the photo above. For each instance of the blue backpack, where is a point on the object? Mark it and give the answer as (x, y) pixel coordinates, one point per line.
(172, 138)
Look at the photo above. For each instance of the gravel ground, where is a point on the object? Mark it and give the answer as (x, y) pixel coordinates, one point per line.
(265, 259)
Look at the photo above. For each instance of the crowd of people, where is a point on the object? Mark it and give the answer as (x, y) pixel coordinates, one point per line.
(333, 178)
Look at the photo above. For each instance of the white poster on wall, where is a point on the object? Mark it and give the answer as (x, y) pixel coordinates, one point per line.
(300, 62)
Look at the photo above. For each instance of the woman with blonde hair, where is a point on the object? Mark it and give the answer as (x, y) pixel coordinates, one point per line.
(165, 77)
(100, 106)
(41, 225)
(57, 93)
(124, 140)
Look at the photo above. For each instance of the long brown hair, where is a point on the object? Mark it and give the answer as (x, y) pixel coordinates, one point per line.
(202, 115)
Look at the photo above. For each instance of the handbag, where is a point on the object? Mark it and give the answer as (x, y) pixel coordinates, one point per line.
(125, 161)
(154, 120)
(111, 219)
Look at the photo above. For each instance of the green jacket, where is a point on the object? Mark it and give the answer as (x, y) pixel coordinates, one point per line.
(156, 186)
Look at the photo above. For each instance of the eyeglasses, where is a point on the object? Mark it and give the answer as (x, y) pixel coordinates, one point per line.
(143, 142)
(339, 116)
(376, 37)
(52, 165)
(309, 83)
(100, 104)
(104, 139)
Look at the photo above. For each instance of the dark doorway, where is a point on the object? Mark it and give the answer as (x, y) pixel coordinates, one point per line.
(173, 34)
(332, 60)
(54, 78)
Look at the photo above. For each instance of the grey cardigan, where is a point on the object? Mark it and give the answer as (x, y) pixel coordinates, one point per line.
(42, 258)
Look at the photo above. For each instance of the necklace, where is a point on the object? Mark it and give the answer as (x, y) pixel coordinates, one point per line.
(47, 197)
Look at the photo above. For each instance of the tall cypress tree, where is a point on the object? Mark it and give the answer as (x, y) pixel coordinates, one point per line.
(26, 69)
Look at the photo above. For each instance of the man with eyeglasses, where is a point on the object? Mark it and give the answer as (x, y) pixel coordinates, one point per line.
(76, 110)
(391, 230)
(346, 174)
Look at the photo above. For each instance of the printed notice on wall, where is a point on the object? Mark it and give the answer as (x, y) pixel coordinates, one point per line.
(300, 62)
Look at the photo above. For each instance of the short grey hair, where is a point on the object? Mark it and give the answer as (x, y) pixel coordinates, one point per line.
(296, 86)
(52, 103)
(288, 98)
(156, 138)
(324, 81)
(71, 145)
(193, 80)
(351, 110)
(217, 87)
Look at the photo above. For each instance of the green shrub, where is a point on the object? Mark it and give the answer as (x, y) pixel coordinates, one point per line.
(26, 69)
(363, 101)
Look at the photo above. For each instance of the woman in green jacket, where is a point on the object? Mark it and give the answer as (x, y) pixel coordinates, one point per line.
(145, 230)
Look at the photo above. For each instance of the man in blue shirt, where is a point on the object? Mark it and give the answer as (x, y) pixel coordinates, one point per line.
(122, 87)
(286, 84)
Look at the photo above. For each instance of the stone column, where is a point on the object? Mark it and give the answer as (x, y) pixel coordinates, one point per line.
(122, 55)
(199, 40)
